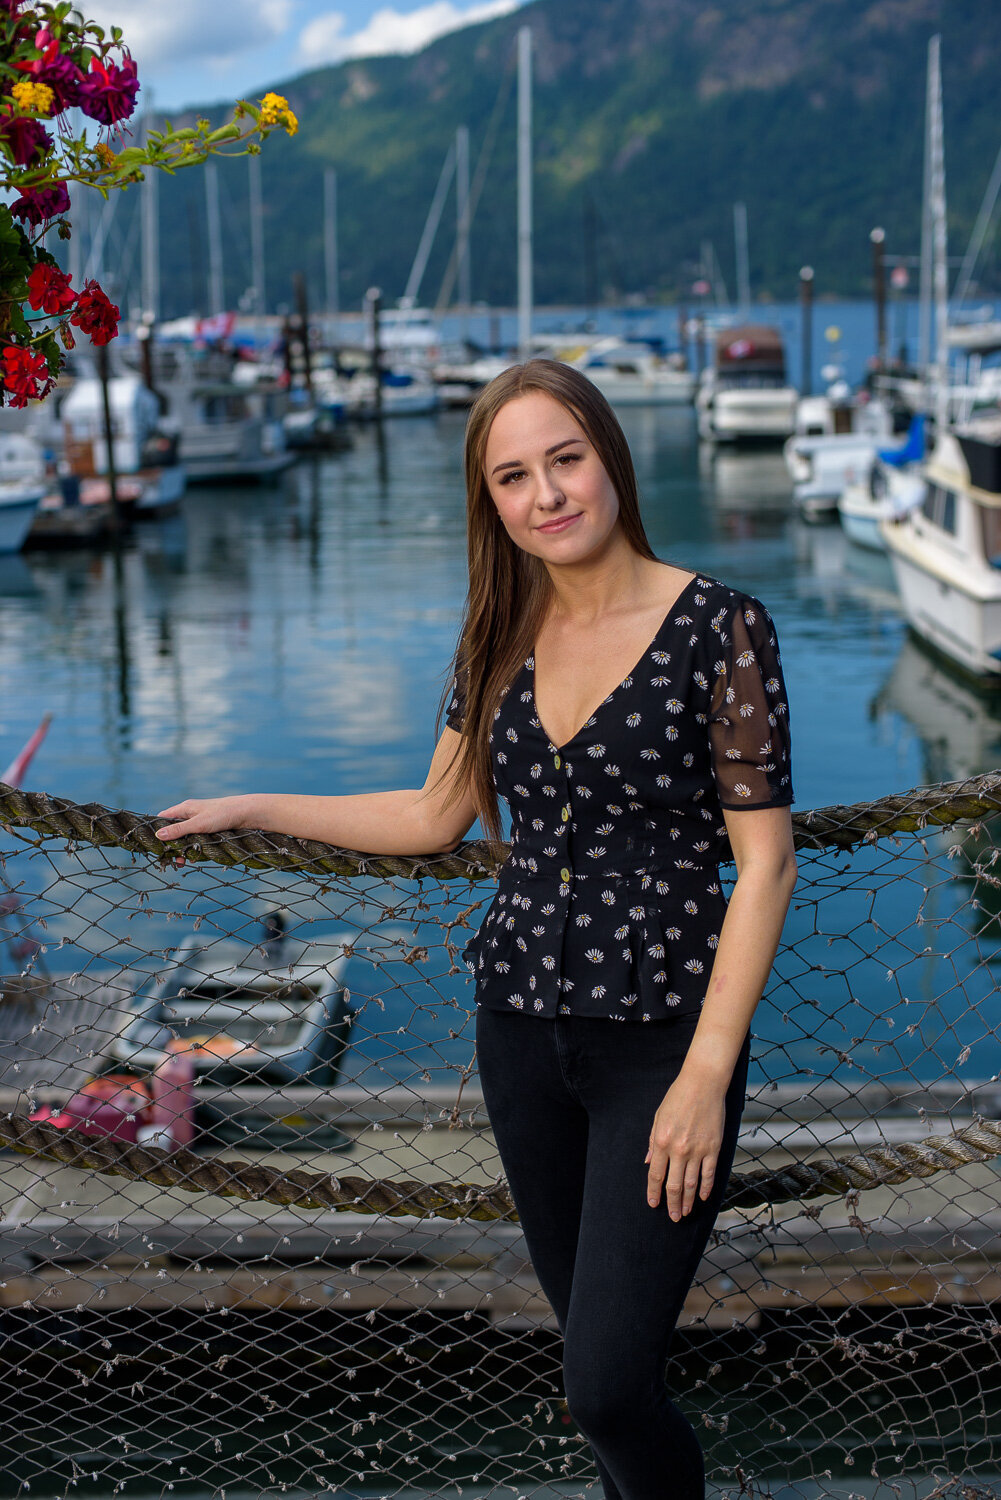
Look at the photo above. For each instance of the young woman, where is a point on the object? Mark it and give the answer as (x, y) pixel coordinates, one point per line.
(633, 715)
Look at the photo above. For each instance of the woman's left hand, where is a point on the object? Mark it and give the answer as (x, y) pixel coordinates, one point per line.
(684, 1144)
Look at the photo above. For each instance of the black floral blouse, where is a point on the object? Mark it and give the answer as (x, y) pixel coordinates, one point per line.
(610, 903)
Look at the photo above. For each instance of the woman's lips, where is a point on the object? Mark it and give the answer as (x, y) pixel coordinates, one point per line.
(552, 527)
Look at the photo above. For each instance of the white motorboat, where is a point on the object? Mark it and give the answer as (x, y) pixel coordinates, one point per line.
(146, 454)
(744, 395)
(22, 485)
(628, 372)
(404, 392)
(887, 486)
(833, 446)
(946, 555)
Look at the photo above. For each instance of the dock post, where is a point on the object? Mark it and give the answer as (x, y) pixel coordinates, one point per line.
(806, 330)
(302, 313)
(103, 373)
(878, 238)
(374, 299)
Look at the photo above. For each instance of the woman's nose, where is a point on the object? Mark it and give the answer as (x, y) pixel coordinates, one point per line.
(549, 494)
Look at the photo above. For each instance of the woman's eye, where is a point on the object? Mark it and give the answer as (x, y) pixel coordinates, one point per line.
(512, 474)
(568, 457)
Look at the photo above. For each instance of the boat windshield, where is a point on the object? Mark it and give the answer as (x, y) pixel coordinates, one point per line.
(751, 380)
(991, 520)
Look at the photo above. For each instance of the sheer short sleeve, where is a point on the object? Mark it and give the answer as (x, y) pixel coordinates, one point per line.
(455, 713)
(749, 718)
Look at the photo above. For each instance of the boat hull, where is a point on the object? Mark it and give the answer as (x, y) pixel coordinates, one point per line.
(747, 416)
(963, 625)
(17, 512)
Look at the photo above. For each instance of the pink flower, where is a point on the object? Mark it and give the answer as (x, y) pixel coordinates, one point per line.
(35, 205)
(54, 68)
(108, 93)
(95, 314)
(24, 137)
(49, 290)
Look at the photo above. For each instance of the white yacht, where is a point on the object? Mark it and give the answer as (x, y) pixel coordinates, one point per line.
(22, 485)
(946, 555)
(744, 395)
(629, 372)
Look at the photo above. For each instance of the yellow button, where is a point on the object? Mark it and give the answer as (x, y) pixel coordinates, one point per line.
(557, 762)
(564, 874)
(565, 814)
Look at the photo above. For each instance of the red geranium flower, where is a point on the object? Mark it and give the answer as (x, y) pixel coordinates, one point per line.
(95, 314)
(38, 204)
(49, 290)
(108, 93)
(24, 137)
(22, 371)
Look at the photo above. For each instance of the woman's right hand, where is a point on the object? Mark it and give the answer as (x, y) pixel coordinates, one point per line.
(204, 815)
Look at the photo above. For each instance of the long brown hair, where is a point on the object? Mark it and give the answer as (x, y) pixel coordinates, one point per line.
(509, 589)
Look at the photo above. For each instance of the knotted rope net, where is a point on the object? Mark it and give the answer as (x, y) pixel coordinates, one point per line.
(254, 1235)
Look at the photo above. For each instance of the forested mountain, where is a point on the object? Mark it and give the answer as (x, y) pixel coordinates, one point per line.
(651, 118)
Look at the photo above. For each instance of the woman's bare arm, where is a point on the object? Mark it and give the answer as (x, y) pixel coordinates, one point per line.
(397, 822)
(688, 1127)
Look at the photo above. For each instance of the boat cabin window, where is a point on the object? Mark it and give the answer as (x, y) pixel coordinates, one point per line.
(939, 507)
(991, 519)
(751, 380)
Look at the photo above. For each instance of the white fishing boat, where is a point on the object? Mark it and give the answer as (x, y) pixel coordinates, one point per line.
(628, 372)
(22, 485)
(946, 554)
(744, 395)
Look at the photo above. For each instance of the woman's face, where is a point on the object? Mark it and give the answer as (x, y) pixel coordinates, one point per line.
(551, 490)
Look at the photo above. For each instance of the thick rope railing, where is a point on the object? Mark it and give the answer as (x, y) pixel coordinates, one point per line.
(836, 827)
(827, 1176)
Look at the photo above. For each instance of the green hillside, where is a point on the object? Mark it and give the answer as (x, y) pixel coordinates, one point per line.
(651, 118)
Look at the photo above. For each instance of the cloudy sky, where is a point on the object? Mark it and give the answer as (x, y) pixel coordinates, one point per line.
(202, 51)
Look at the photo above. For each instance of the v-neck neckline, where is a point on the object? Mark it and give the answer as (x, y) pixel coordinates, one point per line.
(559, 749)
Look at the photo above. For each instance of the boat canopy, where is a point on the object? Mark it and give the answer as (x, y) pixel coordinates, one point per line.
(750, 346)
(912, 450)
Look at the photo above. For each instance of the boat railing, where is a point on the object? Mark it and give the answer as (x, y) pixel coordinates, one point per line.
(208, 1220)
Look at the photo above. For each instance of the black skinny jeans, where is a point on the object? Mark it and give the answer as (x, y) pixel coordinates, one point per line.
(571, 1101)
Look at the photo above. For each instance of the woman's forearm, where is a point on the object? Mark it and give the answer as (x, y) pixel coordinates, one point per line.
(395, 822)
(748, 943)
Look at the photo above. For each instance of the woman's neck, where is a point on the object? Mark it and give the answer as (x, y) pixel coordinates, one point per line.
(585, 592)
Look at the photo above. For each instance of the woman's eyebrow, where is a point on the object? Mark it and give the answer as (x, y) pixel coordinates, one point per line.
(516, 463)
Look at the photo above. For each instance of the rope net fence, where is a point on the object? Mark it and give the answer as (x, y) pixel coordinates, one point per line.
(255, 1238)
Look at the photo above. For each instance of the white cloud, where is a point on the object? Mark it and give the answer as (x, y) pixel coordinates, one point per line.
(392, 31)
(159, 34)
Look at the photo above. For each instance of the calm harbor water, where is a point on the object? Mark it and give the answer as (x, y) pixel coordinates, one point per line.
(298, 638)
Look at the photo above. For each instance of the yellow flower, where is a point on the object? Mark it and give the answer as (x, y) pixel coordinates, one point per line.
(275, 111)
(105, 154)
(33, 96)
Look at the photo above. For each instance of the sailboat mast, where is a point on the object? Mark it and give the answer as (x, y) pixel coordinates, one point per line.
(150, 236)
(413, 287)
(925, 278)
(256, 232)
(743, 258)
(462, 224)
(216, 294)
(524, 192)
(940, 265)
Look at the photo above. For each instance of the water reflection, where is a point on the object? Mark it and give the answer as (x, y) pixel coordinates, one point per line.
(958, 724)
